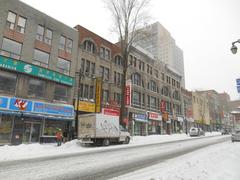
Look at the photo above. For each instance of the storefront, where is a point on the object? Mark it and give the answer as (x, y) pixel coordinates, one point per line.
(25, 121)
(155, 123)
(140, 124)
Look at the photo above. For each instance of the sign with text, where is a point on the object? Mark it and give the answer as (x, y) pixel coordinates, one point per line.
(20, 66)
(112, 112)
(85, 106)
(163, 106)
(128, 90)
(154, 116)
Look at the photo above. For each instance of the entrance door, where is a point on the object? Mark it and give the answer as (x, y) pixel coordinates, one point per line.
(31, 132)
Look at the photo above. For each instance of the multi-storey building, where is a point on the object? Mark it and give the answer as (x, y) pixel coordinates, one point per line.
(157, 40)
(152, 82)
(37, 64)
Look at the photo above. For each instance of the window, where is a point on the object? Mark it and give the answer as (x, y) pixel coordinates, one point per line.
(117, 97)
(62, 43)
(61, 93)
(5, 128)
(36, 88)
(7, 82)
(11, 48)
(134, 61)
(40, 58)
(87, 70)
(93, 68)
(86, 90)
(118, 60)
(82, 65)
(104, 53)
(163, 77)
(44, 34)
(105, 96)
(11, 20)
(104, 72)
(65, 44)
(136, 79)
(153, 86)
(63, 66)
(136, 98)
(91, 92)
(153, 102)
(156, 73)
(117, 78)
(89, 46)
(20, 24)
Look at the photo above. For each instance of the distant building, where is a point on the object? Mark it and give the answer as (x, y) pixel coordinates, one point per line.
(158, 41)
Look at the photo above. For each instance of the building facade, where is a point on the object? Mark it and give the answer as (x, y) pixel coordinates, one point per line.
(37, 67)
(156, 39)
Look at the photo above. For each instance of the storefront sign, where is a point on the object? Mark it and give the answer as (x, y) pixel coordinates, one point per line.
(98, 94)
(140, 117)
(180, 119)
(55, 109)
(112, 112)
(165, 116)
(3, 102)
(20, 66)
(35, 107)
(85, 106)
(163, 106)
(128, 90)
(154, 116)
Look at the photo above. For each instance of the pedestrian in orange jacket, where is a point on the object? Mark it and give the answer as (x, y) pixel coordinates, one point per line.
(59, 137)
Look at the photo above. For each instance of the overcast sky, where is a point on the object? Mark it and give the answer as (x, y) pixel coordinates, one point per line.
(203, 29)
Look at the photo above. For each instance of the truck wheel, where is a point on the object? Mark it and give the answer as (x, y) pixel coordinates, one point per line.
(106, 142)
(127, 140)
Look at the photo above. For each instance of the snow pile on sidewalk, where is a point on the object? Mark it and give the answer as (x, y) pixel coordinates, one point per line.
(26, 151)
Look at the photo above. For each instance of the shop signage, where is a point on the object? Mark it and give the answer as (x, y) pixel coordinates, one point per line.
(3, 102)
(98, 94)
(140, 117)
(85, 106)
(165, 116)
(128, 90)
(25, 105)
(112, 112)
(180, 119)
(20, 66)
(154, 116)
(163, 106)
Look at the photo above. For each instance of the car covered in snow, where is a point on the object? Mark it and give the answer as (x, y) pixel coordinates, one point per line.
(193, 131)
(236, 136)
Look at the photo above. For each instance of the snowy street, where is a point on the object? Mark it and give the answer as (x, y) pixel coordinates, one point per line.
(113, 161)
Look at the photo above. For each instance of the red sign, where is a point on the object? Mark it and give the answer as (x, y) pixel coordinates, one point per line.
(112, 112)
(163, 106)
(154, 116)
(21, 104)
(127, 98)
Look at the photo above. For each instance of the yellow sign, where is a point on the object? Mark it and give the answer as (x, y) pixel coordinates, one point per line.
(98, 94)
(85, 106)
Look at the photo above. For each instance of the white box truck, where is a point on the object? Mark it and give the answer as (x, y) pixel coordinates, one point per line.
(98, 128)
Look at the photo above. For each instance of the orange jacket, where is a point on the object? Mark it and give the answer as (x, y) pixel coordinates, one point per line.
(59, 135)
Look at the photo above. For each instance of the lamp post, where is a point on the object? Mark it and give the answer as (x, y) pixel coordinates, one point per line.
(234, 47)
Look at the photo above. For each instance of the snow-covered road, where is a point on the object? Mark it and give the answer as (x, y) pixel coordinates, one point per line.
(102, 164)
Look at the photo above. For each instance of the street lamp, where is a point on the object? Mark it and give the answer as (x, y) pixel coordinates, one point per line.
(234, 48)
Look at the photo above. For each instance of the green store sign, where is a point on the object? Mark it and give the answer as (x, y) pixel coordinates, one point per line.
(16, 65)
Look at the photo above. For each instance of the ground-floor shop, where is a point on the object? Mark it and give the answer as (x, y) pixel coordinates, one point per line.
(29, 124)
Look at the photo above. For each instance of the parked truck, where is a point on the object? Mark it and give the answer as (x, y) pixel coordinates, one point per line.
(98, 128)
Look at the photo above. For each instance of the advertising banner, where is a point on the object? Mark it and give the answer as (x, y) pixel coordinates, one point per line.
(85, 106)
(128, 90)
(112, 112)
(163, 106)
(154, 116)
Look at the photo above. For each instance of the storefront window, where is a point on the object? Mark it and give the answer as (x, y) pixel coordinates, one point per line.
(5, 129)
(51, 127)
(7, 82)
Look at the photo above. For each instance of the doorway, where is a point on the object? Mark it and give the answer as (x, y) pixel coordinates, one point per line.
(31, 132)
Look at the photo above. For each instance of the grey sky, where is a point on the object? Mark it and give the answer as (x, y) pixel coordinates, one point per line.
(203, 29)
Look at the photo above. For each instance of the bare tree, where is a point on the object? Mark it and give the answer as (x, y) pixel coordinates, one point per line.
(128, 17)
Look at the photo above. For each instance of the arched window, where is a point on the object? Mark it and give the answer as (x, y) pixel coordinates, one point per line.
(89, 46)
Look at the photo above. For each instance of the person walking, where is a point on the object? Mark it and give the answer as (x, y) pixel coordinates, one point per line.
(59, 137)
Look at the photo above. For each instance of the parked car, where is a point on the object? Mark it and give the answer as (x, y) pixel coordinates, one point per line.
(236, 136)
(193, 131)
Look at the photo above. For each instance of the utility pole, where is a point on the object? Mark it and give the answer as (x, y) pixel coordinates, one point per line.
(78, 97)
